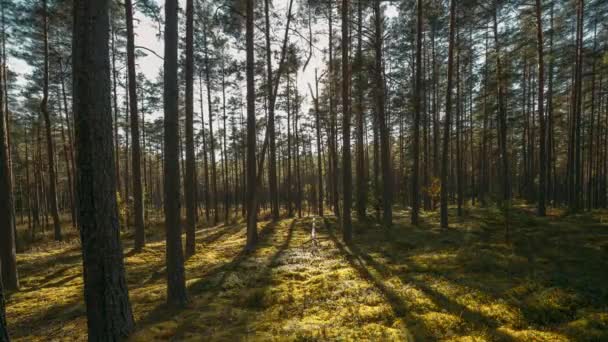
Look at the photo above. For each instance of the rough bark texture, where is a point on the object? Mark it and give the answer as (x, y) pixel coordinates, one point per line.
(176, 279)
(105, 288)
(138, 199)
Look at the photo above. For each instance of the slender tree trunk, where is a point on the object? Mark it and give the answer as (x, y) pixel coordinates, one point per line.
(106, 293)
(359, 109)
(252, 234)
(387, 178)
(272, 162)
(417, 113)
(8, 257)
(138, 205)
(190, 184)
(447, 124)
(502, 128)
(176, 282)
(47, 123)
(211, 138)
(347, 229)
(318, 132)
(541, 113)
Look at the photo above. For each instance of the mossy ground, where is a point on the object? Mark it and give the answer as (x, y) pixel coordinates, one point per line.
(550, 283)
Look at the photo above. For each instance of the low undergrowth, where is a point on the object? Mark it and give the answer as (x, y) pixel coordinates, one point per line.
(549, 283)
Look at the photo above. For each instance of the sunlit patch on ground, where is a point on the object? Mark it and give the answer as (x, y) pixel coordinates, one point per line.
(407, 283)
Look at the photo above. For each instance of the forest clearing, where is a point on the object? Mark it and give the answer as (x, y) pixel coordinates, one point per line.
(409, 283)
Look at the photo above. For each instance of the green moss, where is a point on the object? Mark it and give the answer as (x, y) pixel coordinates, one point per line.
(406, 284)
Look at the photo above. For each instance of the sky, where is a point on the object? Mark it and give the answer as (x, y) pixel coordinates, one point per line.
(145, 35)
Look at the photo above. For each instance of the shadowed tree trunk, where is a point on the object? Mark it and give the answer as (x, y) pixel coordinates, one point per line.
(189, 182)
(109, 316)
(272, 160)
(8, 258)
(360, 93)
(252, 232)
(417, 113)
(447, 124)
(347, 229)
(176, 279)
(3, 327)
(47, 125)
(138, 205)
(542, 158)
(387, 183)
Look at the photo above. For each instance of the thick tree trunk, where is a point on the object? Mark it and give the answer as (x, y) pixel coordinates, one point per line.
(105, 290)
(176, 282)
(138, 198)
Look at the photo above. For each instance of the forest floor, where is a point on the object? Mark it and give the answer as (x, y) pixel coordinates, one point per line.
(550, 283)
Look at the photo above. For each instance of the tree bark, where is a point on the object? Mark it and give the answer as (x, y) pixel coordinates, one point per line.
(385, 156)
(252, 233)
(176, 282)
(47, 124)
(417, 113)
(347, 229)
(541, 113)
(8, 258)
(105, 290)
(189, 182)
(138, 205)
(447, 124)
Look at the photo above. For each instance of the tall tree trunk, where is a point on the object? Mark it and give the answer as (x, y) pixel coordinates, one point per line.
(8, 258)
(417, 113)
(189, 182)
(318, 132)
(105, 290)
(447, 124)
(347, 229)
(387, 178)
(502, 127)
(541, 113)
(361, 203)
(252, 233)
(48, 130)
(272, 162)
(176, 279)
(211, 138)
(205, 160)
(138, 198)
